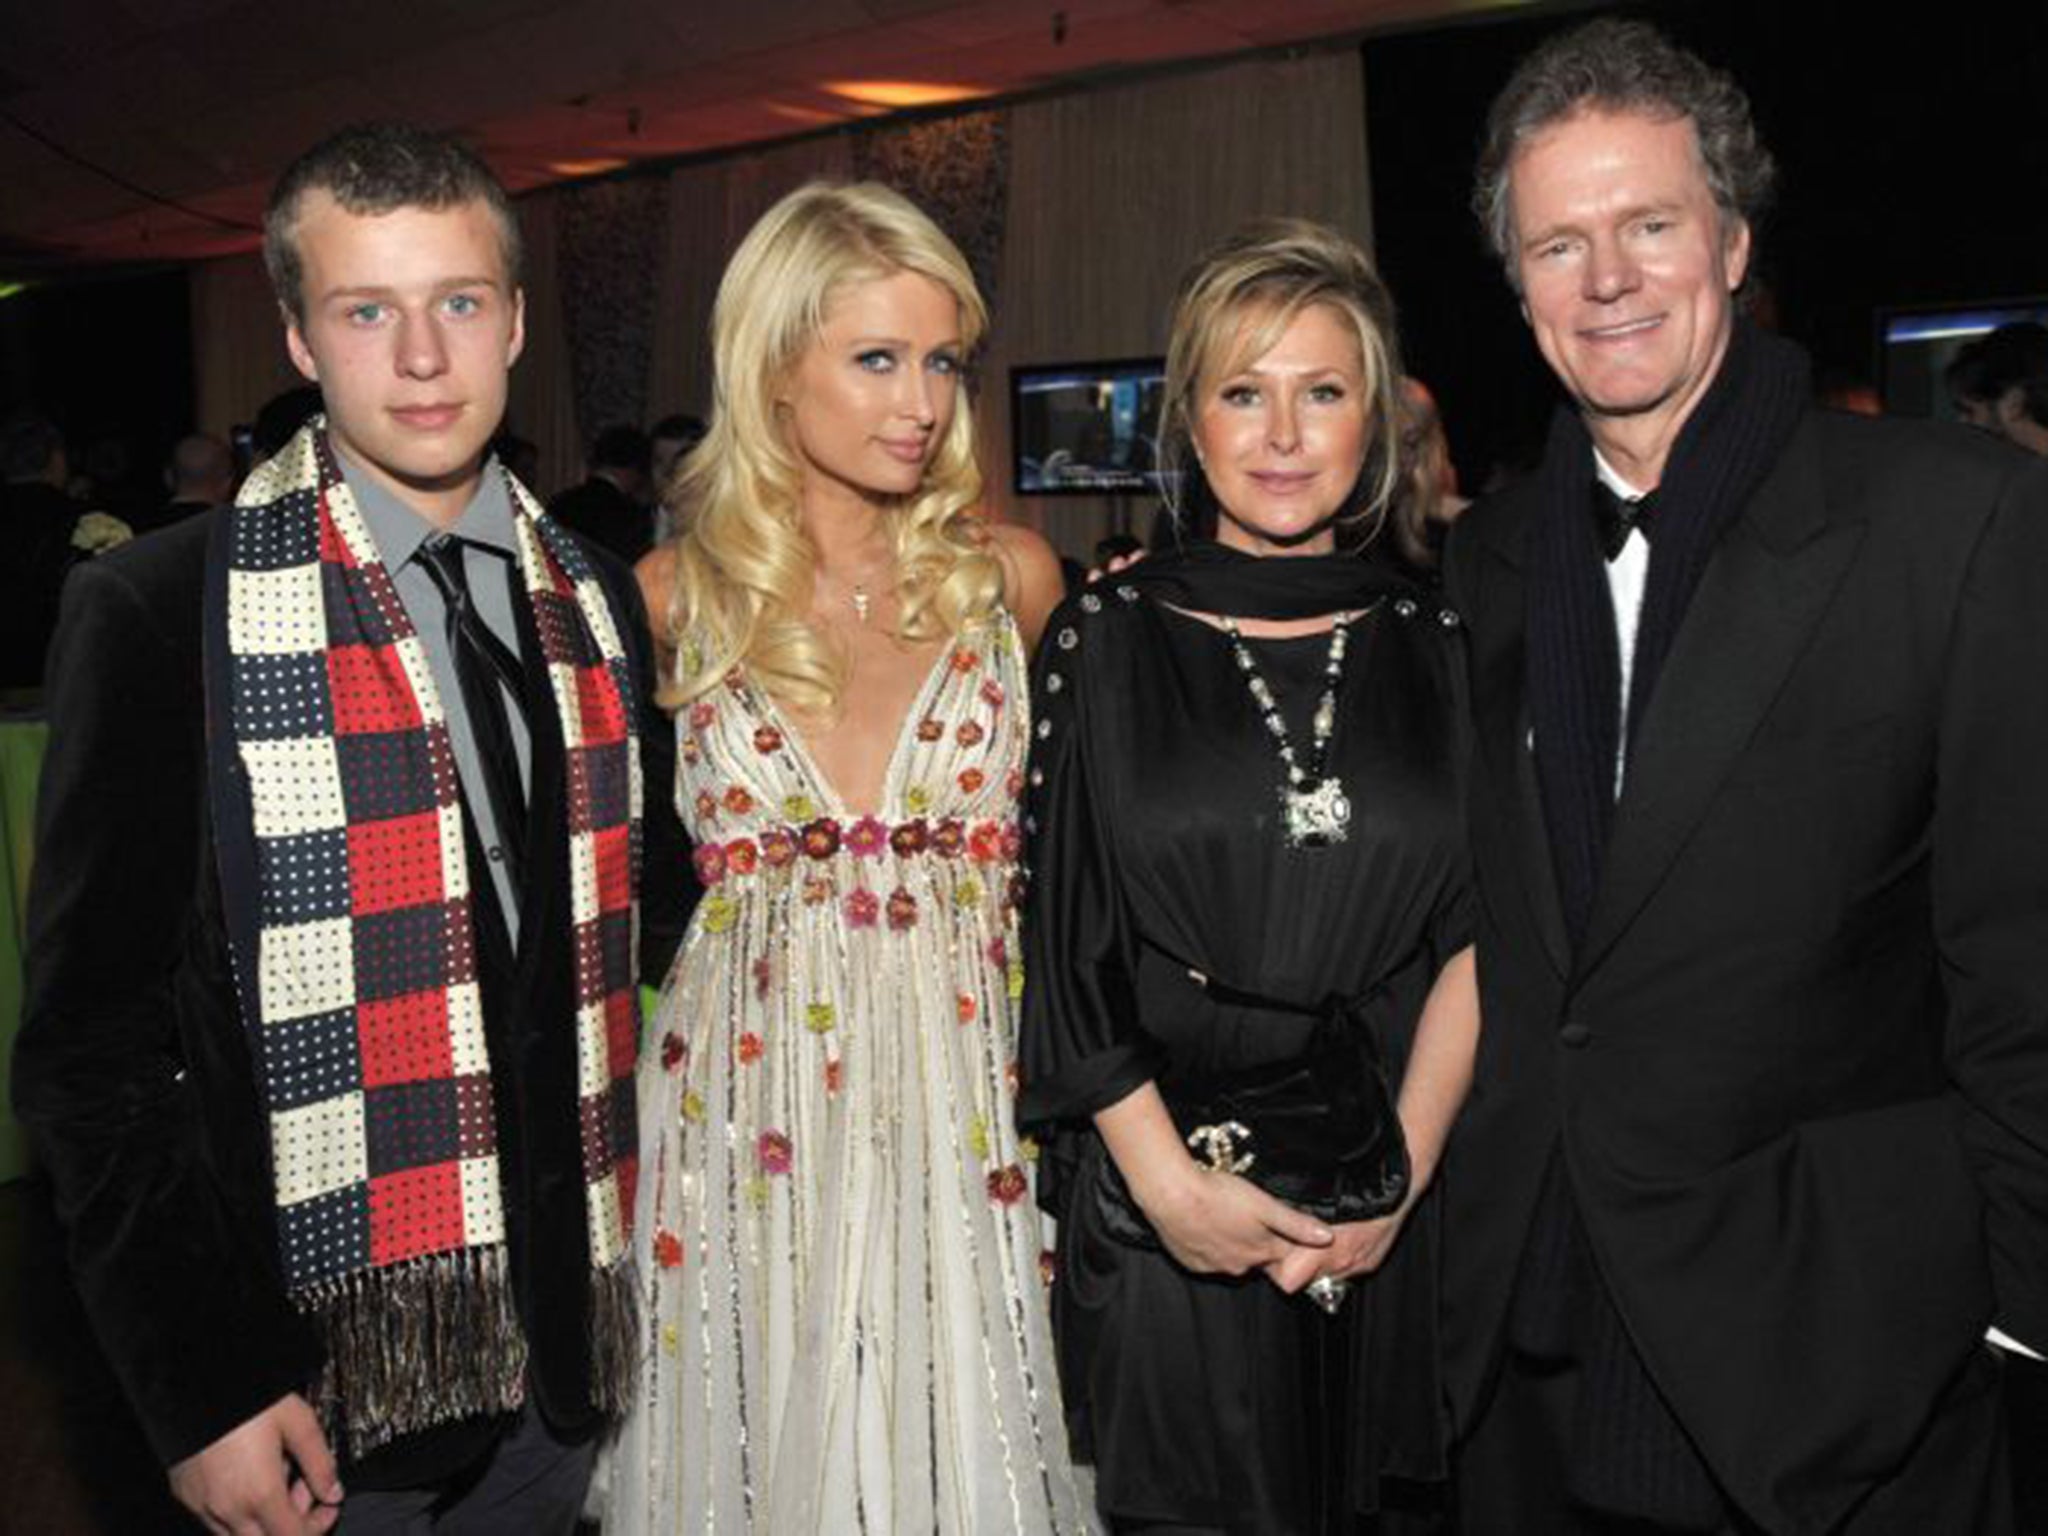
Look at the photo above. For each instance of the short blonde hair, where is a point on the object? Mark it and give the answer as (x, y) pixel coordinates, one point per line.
(744, 565)
(1234, 304)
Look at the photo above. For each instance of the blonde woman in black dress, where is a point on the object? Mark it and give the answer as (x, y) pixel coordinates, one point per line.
(1246, 805)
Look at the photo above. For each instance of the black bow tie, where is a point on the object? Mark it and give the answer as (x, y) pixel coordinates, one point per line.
(1613, 517)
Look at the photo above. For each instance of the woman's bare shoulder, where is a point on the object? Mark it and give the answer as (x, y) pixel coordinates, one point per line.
(656, 573)
(1032, 582)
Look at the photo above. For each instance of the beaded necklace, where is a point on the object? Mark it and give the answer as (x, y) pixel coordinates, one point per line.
(1315, 810)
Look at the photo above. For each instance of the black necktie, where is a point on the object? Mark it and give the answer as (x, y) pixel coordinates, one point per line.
(1614, 516)
(487, 670)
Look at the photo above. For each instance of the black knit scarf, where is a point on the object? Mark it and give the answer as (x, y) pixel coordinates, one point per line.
(1206, 577)
(1722, 455)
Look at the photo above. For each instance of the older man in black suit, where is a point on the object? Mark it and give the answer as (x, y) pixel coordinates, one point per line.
(1758, 1145)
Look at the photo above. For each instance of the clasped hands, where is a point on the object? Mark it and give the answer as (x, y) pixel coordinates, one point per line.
(1220, 1224)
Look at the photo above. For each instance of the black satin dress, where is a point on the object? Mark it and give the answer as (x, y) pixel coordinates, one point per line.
(1157, 845)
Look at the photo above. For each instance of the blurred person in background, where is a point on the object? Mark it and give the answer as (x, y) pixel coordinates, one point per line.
(610, 507)
(1999, 384)
(37, 520)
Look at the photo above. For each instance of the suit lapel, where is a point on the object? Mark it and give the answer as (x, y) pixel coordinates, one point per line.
(1755, 612)
(1500, 712)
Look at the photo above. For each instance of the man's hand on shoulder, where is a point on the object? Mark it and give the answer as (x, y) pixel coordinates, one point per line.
(1114, 564)
(244, 1484)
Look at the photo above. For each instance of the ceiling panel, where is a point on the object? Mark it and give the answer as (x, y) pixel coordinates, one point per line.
(201, 102)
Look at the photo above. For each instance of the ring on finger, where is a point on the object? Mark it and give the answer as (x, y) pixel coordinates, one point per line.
(1328, 1292)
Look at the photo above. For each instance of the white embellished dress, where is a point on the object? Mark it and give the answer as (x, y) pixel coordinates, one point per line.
(843, 1271)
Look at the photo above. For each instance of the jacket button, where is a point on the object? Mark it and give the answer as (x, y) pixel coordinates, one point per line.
(1575, 1036)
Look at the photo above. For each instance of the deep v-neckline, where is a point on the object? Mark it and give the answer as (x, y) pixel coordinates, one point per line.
(807, 765)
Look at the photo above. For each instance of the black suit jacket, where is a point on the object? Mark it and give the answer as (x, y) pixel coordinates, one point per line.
(1799, 1067)
(132, 1066)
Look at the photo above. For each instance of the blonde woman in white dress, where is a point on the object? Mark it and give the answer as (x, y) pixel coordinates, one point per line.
(845, 1314)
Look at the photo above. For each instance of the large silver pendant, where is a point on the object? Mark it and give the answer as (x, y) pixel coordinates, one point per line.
(1318, 815)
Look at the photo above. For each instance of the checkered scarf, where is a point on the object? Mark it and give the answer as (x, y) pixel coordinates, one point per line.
(359, 984)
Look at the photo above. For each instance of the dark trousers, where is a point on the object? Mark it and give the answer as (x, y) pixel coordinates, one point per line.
(1412, 1509)
(1512, 1471)
(2026, 1408)
(531, 1484)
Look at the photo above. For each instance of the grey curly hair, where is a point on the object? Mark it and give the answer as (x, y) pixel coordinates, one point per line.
(1622, 66)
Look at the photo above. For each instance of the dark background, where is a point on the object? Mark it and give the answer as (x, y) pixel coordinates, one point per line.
(1913, 156)
(1913, 168)
(108, 356)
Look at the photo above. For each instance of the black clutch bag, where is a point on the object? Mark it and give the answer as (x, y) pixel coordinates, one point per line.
(1317, 1130)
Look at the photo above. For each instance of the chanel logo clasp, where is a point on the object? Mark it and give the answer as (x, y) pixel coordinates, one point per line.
(1215, 1147)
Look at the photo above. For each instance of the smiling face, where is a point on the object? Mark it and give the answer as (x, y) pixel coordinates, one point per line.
(1626, 267)
(410, 329)
(868, 402)
(1283, 436)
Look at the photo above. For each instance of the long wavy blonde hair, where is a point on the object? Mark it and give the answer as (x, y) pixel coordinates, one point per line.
(744, 565)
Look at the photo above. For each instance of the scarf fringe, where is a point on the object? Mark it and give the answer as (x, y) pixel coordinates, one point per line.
(437, 1339)
(614, 1337)
(422, 1343)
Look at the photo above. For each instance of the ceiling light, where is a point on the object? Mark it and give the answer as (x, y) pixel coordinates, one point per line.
(902, 93)
(799, 114)
(585, 167)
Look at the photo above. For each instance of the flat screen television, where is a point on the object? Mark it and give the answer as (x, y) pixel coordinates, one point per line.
(1916, 345)
(1086, 429)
